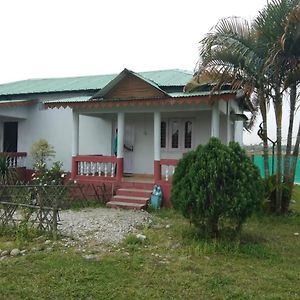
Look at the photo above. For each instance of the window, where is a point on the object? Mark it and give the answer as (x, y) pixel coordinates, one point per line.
(176, 134)
(163, 134)
(188, 135)
(175, 129)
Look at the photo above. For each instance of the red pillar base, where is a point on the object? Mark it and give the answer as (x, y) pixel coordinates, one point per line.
(157, 171)
(74, 168)
(119, 169)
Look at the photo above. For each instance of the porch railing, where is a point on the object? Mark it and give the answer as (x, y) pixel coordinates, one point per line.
(167, 167)
(94, 165)
(15, 159)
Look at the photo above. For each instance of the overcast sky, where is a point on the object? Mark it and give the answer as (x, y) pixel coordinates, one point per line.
(41, 39)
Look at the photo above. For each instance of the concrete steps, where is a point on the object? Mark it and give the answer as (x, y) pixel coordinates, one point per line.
(131, 198)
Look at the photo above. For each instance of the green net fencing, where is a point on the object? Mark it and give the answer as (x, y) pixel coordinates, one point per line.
(259, 162)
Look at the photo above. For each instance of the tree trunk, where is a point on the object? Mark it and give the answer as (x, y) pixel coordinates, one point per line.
(295, 157)
(278, 113)
(287, 159)
(285, 204)
(263, 110)
(288, 174)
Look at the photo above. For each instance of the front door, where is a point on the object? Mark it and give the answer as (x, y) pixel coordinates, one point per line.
(10, 136)
(128, 148)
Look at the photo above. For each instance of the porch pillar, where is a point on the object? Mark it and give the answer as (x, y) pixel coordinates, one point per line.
(228, 122)
(238, 132)
(75, 141)
(120, 152)
(157, 129)
(215, 121)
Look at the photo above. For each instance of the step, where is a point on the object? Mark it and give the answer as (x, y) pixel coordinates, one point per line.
(137, 185)
(134, 192)
(130, 199)
(125, 205)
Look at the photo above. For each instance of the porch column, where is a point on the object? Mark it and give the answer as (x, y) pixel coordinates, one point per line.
(120, 152)
(238, 132)
(157, 129)
(228, 122)
(215, 121)
(75, 141)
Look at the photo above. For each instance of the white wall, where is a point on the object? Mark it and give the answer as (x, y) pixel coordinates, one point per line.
(52, 125)
(15, 112)
(95, 135)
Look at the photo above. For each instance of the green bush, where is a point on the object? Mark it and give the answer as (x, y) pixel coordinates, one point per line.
(41, 151)
(217, 187)
(53, 176)
(7, 175)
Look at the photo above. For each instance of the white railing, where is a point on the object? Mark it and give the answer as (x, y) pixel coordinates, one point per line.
(94, 165)
(15, 159)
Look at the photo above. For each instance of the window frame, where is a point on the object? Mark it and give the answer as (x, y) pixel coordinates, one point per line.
(181, 137)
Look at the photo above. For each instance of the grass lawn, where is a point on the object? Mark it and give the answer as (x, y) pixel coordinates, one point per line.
(170, 264)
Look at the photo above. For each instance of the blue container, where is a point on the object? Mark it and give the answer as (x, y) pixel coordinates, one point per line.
(156, 197)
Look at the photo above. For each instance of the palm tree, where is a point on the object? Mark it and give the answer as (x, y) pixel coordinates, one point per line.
(229, 54)
(263, 59)
(278, 27)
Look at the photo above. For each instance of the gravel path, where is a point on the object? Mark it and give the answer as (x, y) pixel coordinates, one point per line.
(101, 225)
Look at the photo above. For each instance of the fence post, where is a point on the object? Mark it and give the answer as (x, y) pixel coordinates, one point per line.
(54, 222)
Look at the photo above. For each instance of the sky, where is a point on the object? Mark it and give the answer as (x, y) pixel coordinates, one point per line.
(42, 39)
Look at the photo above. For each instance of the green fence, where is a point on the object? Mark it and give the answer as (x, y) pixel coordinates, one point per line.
(259, 162)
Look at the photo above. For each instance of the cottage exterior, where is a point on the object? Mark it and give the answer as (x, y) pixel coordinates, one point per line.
(156, 124)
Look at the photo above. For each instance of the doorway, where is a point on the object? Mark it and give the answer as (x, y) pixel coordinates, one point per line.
(128, 148)
(10, 136)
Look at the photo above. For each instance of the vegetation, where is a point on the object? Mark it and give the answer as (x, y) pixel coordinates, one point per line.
(217, 187)
(41, 151)
(52, 176)
(172, 263)
(261, 58)
(7, 175)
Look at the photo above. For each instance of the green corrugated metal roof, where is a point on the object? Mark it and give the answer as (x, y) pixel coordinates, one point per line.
(173, 95)
(161, 78)
(69, 100)
(201, 93)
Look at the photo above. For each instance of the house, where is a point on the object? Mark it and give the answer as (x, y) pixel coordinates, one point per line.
(154, 120)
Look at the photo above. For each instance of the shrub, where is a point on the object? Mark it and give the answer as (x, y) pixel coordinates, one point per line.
(217, 187)
(7, 175)
(41, 151)
(53, 176)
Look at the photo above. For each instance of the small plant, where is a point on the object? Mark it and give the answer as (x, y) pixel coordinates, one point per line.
(217, 187)
(41, 151)
(7, 175)
(53, 176)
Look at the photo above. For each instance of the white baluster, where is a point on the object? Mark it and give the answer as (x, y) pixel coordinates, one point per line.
(105, 169)
(81, 163)
(18, 162)
(173, 170)
(167, 173)
(99, 168)
(88, 168)
(112, 170)
(93, 168)
(10, 162)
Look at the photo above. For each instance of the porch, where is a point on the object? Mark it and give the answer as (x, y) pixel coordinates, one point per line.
(154, 141)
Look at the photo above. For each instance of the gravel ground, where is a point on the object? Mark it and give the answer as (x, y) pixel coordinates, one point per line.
(101, 225)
